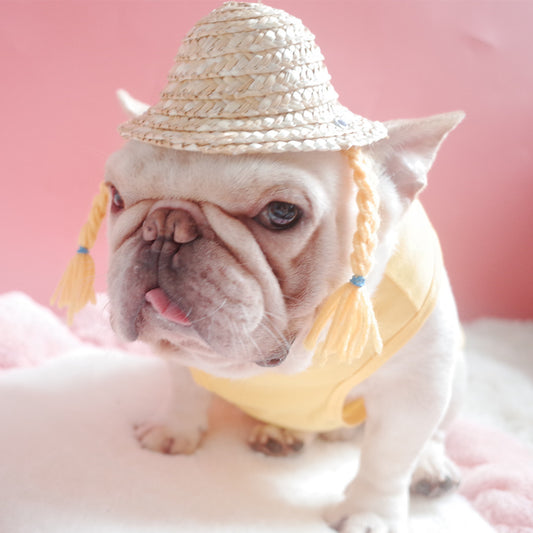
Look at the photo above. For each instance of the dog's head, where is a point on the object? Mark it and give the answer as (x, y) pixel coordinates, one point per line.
(223, 260)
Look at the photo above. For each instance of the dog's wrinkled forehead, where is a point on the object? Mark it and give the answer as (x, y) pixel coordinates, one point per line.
(141, 171)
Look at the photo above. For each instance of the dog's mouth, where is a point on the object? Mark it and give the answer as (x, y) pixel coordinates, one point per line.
(166, 307)
(163, 305)
(274, 360)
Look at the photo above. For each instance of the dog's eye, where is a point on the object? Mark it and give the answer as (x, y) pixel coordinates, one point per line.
(117, 203)
(279, 215)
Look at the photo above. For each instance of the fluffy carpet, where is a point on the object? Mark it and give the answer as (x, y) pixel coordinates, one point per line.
(69, 461)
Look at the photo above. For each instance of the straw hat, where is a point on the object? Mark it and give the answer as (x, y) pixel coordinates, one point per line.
(250, 78)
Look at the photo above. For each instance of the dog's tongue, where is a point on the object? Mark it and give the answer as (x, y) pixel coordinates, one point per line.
(165, 307)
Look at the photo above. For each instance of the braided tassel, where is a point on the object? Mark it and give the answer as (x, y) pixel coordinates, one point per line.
(76, 287)
(349, 309)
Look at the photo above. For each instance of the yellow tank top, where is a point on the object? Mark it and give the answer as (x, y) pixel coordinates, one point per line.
(315, 399)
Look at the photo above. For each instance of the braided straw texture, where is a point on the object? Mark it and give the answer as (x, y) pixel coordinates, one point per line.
(365, 238)
(250, 78)
(349, 310)
(76, 287)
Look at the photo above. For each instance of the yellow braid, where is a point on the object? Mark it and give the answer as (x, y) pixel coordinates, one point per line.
(365, 238)
(349, 308)
(76, 287)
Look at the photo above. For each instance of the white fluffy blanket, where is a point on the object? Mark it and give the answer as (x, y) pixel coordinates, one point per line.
(69, 461)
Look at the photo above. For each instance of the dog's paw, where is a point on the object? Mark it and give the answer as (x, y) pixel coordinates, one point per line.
(371, 507)
(436, 474)
(340, 520)
(164, 439)
(275, 441)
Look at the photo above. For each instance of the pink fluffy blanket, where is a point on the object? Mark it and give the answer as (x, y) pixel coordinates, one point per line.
(69, 461)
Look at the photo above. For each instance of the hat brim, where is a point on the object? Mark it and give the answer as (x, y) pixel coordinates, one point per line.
(331, 129)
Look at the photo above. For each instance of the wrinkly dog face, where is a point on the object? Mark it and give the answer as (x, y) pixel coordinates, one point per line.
(223, 260)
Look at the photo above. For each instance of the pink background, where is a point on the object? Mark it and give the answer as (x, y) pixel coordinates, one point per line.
(62, 61)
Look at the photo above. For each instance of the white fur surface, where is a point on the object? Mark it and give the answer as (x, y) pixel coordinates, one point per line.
(69, 460)
(199, 230)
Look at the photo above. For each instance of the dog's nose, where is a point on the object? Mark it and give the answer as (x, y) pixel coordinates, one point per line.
(172, 224)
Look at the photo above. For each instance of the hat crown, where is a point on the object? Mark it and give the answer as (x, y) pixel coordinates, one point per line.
(248, 78)
(267, 28)
(254, 58)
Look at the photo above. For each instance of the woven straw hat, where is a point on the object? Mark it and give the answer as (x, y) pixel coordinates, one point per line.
(250, 78)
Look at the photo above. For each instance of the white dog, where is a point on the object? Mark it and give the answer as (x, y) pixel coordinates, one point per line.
(242, 204)
(221, 261)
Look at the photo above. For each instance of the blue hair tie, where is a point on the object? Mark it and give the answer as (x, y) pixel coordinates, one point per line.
(358, 281)
(83, 250)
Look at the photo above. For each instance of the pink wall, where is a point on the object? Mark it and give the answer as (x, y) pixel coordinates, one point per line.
(62, 61)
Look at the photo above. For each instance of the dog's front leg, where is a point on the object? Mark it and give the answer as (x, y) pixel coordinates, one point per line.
(405, 402)
(376, 501)
(180, 423)
(398, 426)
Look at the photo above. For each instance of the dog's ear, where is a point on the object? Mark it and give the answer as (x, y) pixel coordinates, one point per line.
(410, 149)
(133, 107)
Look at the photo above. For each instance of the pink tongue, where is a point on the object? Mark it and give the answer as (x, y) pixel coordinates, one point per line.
(165, 307)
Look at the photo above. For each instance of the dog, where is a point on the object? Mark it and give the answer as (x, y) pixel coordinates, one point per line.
(220, 263)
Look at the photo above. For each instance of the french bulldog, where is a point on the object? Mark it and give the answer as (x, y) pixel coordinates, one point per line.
(220, 263)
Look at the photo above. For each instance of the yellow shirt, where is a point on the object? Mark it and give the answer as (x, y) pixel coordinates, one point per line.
(315, 399)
